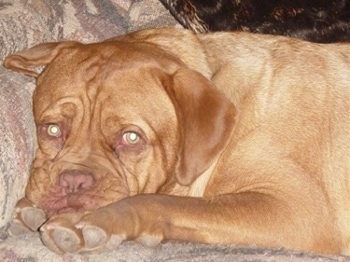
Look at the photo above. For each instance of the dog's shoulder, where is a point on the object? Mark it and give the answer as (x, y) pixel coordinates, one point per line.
(208, 53)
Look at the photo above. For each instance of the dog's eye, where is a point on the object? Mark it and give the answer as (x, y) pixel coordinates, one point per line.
(53, 130)
(131, 138)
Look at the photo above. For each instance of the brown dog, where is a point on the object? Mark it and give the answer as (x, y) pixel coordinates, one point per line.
(164, 134)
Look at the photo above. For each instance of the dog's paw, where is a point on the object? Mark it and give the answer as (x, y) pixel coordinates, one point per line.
(28, 218)
(78, 232)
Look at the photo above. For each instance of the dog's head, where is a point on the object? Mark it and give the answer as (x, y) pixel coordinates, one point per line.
(115, 119)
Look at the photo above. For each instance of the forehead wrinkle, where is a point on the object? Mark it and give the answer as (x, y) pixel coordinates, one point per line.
(73, 102)
(97, 68)
(116, 63)
(138, 101)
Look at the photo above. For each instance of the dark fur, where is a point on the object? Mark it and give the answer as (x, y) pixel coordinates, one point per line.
(322, 21)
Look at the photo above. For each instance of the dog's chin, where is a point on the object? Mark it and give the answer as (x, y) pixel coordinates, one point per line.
(50, 213)
(67, 210)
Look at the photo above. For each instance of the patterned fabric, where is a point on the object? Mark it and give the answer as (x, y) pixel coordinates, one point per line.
(24, 23)
(30, 249)
(321, 21)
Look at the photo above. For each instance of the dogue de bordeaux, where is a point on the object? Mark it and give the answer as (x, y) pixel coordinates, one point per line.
(162, 134)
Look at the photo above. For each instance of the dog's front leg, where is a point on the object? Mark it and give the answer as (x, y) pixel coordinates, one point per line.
(247, 218)
(148, 219)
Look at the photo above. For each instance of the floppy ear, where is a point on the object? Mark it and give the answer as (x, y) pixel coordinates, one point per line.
(206, 119)
(26, 61)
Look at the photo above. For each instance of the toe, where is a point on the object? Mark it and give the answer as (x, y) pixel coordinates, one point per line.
(33, 217)
(66, 239)
(94, 237)
(61, 239)
(27, 218)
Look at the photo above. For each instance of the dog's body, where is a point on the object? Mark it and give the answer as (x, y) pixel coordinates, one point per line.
(136, 143)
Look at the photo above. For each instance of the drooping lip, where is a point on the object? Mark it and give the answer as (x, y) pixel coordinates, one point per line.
(59, 203)
(54, 199)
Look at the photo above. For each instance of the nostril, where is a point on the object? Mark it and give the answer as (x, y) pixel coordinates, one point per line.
(75, 180)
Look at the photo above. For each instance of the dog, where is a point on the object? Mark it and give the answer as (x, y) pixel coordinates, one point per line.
(164, 134)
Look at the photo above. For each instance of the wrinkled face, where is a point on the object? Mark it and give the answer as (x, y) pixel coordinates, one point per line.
(105, 127)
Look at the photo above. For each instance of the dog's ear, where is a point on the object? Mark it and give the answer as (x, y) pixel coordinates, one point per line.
(40, 55)
(206, 120)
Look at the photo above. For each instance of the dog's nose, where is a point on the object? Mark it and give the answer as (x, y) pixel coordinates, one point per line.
(75, 180)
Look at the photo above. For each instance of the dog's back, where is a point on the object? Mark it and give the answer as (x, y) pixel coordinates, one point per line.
(295, 92)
